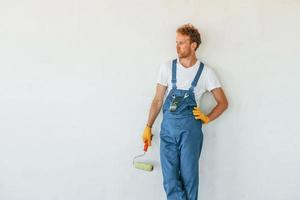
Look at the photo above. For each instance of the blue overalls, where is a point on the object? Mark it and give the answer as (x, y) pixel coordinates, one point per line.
(181, 142)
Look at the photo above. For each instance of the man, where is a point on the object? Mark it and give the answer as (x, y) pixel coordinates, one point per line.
(186, 79)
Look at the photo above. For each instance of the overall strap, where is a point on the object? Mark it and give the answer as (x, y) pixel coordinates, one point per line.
(195, 81)
(174, 73)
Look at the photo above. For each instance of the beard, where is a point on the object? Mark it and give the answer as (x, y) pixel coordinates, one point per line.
(184, 54)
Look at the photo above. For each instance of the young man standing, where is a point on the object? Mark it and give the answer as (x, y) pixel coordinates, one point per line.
(185, 79)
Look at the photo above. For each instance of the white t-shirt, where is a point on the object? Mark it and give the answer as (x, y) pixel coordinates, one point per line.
(184, 77)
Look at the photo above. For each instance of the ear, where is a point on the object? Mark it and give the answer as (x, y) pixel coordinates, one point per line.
(194, 45)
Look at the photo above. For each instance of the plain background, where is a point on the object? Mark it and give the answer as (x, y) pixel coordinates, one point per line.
(77, 79)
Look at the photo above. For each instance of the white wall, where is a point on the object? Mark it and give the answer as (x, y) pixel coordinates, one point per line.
(77, 79)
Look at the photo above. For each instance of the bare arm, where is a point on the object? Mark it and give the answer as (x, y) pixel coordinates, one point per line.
(221, 106)
(156, 104)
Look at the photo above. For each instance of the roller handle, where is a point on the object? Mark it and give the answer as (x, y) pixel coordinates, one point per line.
(145, 147)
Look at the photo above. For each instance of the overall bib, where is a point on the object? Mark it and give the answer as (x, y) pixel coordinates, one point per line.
(181, 141)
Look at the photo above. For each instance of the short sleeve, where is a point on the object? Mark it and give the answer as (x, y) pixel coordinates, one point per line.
(211, 80)
(162, 77)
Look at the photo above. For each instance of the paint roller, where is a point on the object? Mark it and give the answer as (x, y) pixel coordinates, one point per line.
(143, 165)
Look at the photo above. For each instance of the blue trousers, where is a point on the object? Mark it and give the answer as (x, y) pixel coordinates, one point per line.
(180, 148)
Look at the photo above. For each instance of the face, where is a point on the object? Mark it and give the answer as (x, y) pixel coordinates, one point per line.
(184, 46)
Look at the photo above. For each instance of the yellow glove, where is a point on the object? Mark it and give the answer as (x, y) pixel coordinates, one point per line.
(200, 115)
(147, 136)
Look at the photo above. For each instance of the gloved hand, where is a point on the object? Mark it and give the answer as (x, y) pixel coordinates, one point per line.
(147, 136)
(200, 115)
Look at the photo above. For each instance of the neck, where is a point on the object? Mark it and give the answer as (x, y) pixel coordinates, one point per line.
(188, 61)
